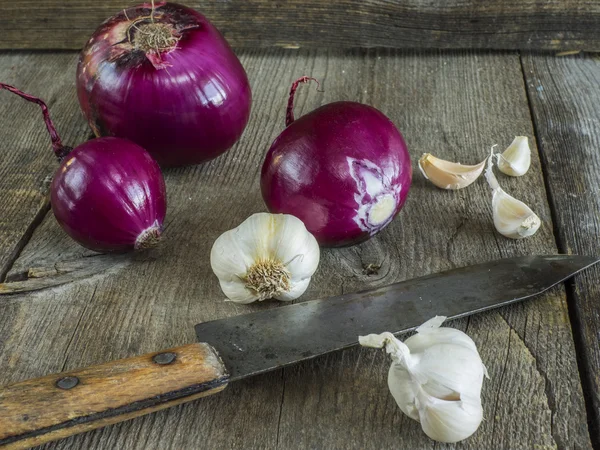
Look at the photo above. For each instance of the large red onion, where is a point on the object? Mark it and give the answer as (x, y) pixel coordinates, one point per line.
(163, 76)
(108, 193)
(343, 169)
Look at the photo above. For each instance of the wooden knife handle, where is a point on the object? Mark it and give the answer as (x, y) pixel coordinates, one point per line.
(37, 411)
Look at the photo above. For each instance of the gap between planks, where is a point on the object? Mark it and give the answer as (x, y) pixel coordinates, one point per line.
(583, 366)
(37, 220)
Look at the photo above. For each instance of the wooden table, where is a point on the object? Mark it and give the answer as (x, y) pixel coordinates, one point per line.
(69, 307)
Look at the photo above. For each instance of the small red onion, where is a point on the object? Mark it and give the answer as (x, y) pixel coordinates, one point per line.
(108, 193)
(162, 76)
(343, 169)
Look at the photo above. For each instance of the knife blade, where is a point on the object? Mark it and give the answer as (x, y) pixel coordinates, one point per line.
(37, 411)
(255, 343)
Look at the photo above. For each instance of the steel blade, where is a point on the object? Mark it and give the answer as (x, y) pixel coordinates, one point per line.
(258, 342)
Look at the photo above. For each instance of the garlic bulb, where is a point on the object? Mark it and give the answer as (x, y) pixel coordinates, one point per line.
(516, 159)
(448, 175)
(436, 378)
(266, 256)
(512, 218)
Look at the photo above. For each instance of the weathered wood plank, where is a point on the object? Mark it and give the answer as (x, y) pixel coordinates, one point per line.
(27, 159)
(565, 98)
(453, 104)
(499, 24)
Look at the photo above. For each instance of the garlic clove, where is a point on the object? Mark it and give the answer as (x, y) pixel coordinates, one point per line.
(516, 159)
(512, 218)
(296, 290)
(444, 377)
(229, 257)
(433, 330)
(297, 248)
(236, 291)
(448, 420)
(449, 175)
(266, 256)
(424, 338)
(399, 378)
(402, 390)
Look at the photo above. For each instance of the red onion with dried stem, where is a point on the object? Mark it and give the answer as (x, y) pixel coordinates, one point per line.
(343, 169)
(108, 194)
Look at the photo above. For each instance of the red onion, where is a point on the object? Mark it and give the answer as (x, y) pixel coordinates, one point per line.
(163, 76)
(108, 193)
(343, 169)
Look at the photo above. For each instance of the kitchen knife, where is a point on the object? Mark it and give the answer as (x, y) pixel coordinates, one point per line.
(56, 406)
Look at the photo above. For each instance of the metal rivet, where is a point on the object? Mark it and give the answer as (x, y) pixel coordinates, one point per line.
(164, 358)
(67, 382)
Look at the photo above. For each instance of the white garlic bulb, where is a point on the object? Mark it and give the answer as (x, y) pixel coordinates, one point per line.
(516, 159)
(436, 378)
(449, 175)
(512, 218)
(266, 256)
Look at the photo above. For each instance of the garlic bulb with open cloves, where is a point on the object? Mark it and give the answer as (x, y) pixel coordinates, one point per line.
(512, 218)
(436, 378)
(449, 175)
(516, 159)
(266, 256)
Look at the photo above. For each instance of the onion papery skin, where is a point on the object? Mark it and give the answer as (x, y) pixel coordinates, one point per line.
(343, 169)
(109, 195)
(185, 104)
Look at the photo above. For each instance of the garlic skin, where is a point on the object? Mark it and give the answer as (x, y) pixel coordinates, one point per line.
(449, 175)
(512, 218)
(435, 378)
(266, 256)
(516, 159)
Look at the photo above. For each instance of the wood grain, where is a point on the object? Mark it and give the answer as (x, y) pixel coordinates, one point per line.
(40, 410)
(455, 105)
(498, 24)
(565, 97)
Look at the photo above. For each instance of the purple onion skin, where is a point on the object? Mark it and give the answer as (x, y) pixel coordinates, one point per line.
(109, 195)
(332, 167)
(185, 105)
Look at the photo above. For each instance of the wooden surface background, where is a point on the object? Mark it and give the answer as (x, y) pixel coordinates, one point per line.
(498, 24)
(74, 308)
